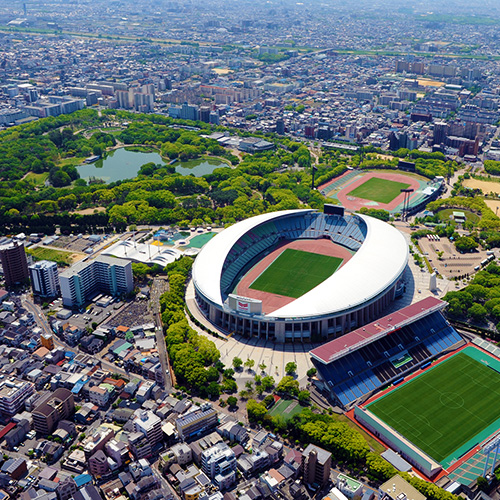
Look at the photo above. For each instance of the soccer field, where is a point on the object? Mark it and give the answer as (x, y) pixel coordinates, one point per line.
(449, 406)
(295, 272)
(379, 190)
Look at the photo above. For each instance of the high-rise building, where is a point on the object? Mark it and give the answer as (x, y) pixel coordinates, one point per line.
(440, 132)
(280, 126)
(13, 394)
(316, 464)
(149, 424)
(205, 114)
(14, 263)
(59, 406)
(45, 278)
(104, 274)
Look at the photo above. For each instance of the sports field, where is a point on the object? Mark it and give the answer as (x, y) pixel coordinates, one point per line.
(379, 190)
(286, 408)
(448, 409)
(295, 272)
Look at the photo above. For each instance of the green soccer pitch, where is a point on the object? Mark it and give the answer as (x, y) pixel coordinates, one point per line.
(295, 272)
(449, 406)
(379, 190)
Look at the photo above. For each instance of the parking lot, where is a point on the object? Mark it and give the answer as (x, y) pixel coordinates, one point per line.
(94, 313)
(452, 263)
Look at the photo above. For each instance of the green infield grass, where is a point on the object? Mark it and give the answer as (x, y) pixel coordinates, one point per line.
(448, 409)
(379, 190)
(295, 272)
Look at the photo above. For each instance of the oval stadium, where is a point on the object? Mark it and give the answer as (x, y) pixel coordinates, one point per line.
(299, 275)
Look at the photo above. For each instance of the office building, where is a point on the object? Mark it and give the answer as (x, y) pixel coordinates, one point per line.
(14, 264)
(104, 274)
(149, 424)
(196, 422)
(45, 278)
(13, 394)
(59, 406)
(316, 464)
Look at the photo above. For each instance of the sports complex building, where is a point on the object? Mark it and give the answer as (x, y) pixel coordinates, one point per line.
(300, 275)
(419, 386)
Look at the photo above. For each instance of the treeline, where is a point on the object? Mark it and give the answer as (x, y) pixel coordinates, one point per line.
(192, 355)
(480, 300)
(488, 221)
(26, 148)
(492, 167)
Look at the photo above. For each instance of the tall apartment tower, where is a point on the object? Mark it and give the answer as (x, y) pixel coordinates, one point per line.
(316, 464)
(45, 278)
(14, 264)
(103, 274)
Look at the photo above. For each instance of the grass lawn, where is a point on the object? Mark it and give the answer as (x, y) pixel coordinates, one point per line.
(295, 272)
(61, 257)
(37, 179)
(287, 408)
(447, 214)
(446, 407)
(379, 190)
(199, 240)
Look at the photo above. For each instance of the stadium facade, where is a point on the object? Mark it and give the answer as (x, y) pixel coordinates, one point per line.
(354, 295)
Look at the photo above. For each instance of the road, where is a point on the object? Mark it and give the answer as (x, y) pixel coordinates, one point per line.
(160, 337)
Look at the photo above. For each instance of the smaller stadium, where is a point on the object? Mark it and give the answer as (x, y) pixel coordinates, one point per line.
(385, 190)
(419, 386)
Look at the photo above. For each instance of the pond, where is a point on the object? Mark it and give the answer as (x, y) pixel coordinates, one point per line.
(199, 167)
(118, 165)
(122, 164)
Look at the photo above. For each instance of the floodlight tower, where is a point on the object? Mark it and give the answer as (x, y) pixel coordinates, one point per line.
(314, 170)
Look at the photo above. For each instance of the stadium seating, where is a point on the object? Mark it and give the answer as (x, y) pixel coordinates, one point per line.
(348, 231)
(341, 181)
(362, 371)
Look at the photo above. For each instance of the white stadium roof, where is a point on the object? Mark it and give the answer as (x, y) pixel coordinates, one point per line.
(374, 267)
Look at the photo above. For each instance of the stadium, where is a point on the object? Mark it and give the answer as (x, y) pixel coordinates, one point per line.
(419, 386)
(299, 275)
(384, 190)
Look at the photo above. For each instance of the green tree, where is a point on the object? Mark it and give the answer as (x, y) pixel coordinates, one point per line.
(303, 396)
(483, 484)
(237, 362)
(255, 411)
(290, 368)
(232, 401)
(466, 244)
(249, 364)
(288, 385)
(477, 312)
(213, 390)
(311, 372)
(267, 382)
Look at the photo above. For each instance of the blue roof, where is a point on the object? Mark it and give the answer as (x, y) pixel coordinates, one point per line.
(78, 386)
(82, 479)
